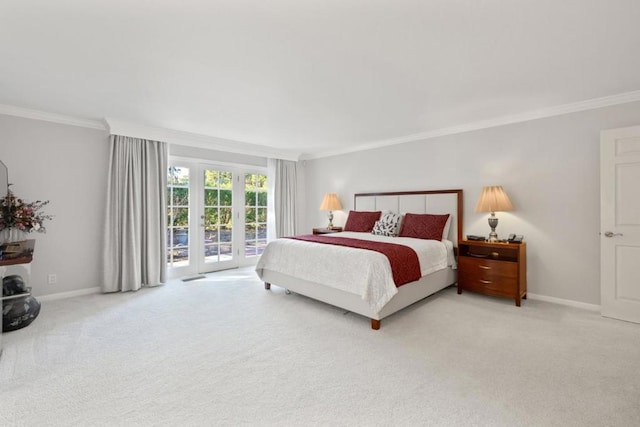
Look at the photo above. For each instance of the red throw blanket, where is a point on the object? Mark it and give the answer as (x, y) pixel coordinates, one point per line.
(405, 265)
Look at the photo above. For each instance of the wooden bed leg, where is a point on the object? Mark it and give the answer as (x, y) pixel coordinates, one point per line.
(375, 324)
(267, 285)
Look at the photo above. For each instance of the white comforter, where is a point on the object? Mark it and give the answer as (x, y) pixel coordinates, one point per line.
(359, 271)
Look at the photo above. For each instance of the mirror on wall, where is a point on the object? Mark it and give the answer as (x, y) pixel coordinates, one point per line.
(4, 179)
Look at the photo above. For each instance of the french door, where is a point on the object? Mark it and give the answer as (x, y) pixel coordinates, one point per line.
(217, 216)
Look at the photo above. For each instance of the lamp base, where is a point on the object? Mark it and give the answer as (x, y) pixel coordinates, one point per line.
(493, 223)
(330, 226)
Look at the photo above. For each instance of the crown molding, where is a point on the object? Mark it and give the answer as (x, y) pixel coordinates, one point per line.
(171, 136)
(28, 113)
(575, 107)
(122, 127)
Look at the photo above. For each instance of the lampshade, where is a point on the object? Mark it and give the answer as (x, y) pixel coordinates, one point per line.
(330, 202)
(493, 199)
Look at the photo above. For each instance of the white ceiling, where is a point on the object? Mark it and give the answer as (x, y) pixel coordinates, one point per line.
(314, 76)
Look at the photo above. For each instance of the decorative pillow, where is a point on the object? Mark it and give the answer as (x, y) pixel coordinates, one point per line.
(361, 221)
(423, 226)
(387, 225)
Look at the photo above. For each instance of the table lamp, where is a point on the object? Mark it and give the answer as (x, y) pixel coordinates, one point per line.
(330, 203)
(493, 199)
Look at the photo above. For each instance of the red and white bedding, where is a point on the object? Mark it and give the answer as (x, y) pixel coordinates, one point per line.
(359, 271)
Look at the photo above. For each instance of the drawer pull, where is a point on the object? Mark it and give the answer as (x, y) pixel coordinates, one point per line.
(484, 267)
(486, 282)
(478, 255)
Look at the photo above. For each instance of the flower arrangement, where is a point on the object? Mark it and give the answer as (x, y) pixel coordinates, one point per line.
(22, 215)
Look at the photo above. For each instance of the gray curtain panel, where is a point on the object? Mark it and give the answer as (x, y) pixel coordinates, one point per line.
(285, 197)
(136, 218)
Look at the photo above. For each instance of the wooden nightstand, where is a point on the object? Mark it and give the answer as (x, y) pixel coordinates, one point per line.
(327, 230)
(498, 269)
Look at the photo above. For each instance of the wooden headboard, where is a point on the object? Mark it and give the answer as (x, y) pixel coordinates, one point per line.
(427, 201)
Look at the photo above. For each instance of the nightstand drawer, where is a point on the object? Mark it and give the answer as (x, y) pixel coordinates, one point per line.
(481, 275)
(501, 252)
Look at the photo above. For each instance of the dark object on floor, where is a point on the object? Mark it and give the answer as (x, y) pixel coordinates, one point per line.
(188, 279)
(13, 285)
(18, 313)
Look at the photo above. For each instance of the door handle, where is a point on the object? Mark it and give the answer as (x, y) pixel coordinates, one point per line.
(611, 234)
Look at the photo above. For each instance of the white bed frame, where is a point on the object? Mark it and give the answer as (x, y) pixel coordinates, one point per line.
(431, 201)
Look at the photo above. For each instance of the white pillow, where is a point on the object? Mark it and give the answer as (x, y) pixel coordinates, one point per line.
(387, 225)
(445, 230)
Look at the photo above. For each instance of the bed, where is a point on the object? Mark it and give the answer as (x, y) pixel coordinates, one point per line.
(358, 280)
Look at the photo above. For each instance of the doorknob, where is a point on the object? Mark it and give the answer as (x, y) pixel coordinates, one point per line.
(611, 234)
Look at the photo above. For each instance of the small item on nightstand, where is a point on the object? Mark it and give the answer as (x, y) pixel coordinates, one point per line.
(515, 239)
(476, 238)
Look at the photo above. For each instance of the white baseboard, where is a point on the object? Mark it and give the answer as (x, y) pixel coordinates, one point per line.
(70, 294)
(571, 303)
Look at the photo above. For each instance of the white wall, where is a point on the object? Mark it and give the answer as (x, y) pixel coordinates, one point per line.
(549, 168)
(68, 166)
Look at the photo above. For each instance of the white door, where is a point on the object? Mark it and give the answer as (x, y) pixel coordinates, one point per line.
(215, 243)
(233, 217)
(620, 223)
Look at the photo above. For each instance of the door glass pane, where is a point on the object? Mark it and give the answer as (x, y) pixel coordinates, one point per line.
(262, 198)
(250, 232)
(262, 215)
(226, 185)
(226, 251)
(226, 217)
(255, 218)
(249, 198)
(178, 216)
(225, 234)
(250, 216)
(210, 217)
(211, 179)
(262, 231)
(180, 196)
(210, 197)
(226, 198)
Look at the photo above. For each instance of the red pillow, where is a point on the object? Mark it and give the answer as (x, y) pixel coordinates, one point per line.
(361, 221)
(423, 226)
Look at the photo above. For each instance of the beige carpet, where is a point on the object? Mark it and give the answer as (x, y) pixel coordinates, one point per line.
(223, 351)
